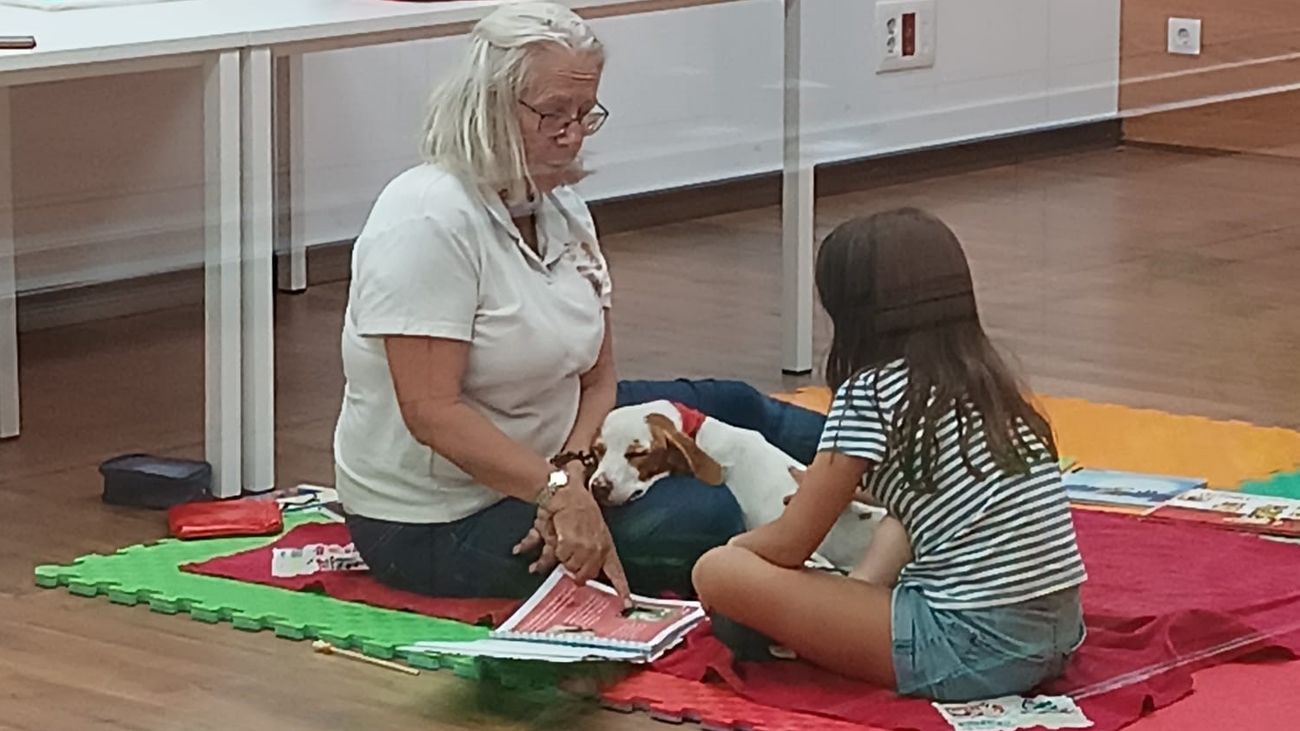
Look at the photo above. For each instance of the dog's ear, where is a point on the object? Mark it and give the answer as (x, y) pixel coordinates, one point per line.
(666, 436)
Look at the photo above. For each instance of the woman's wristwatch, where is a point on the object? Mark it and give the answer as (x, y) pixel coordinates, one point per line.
(554, 482)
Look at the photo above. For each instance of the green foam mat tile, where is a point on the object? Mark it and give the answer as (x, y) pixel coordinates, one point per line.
(289, 632)
(150, 574)
(1285, 484)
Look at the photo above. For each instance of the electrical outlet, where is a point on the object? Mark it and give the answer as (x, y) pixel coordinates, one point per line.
(905, 34)
(1185, 36)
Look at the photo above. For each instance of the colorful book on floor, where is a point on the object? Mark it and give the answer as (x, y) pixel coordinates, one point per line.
(1234, 510)
(324, 500)
(1013, 712)
(565, 621)
(1114, 488)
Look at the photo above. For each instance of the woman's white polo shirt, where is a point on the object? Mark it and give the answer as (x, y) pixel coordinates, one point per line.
(435, 259)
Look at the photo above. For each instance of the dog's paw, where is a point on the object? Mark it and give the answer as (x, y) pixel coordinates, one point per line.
(782, 653)
(818, 562)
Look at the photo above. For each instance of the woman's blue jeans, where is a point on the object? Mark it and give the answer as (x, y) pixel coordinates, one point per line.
(659, 537)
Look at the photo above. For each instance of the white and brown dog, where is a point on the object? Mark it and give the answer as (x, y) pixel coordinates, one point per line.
(641, 444)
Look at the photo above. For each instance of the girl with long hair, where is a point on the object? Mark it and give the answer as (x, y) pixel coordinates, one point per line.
(970, 588)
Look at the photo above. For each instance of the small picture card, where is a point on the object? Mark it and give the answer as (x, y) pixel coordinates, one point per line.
(315, 558)
(1010, 713)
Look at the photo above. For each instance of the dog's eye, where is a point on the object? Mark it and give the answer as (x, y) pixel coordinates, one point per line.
(598, 449)
(636, 450)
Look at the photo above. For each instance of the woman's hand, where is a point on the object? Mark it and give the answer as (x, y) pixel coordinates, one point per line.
(542, 534)
(577, 473)
(571, 531)
(583, 543)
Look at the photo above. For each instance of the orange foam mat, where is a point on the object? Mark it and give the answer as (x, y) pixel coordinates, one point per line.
(1109, 436)
(1226, 453)
(817, 398)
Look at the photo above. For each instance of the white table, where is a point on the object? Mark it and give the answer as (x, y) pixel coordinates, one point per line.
(235, 44)
(202, 35)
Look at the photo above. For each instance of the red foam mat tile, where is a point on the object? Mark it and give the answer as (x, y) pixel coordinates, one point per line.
(675, 700)
(1258, 696)
(1254, 696)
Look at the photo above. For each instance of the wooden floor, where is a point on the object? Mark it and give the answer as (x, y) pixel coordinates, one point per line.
(1139, 276)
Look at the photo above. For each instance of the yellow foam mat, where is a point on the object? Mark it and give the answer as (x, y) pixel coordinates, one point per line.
(1109, 436)
(815, 398)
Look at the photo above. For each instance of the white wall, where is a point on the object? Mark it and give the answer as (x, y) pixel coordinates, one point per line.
(1002, 66)
(694, 96)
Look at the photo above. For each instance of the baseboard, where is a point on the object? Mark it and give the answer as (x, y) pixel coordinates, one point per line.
(1179, 148)
(106, 300)
(332, 262)
(1262, 126)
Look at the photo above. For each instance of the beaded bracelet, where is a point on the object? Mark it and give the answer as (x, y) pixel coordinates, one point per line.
(587, 459)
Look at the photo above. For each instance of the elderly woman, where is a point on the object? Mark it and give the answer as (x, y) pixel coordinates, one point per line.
(477, 347)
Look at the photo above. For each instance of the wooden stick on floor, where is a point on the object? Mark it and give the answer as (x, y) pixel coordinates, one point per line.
(326, 648)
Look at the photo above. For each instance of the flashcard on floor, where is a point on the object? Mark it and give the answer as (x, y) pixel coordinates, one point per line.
(315, 558)
(1010, 713)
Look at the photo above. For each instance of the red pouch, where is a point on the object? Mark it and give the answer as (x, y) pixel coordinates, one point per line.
(223, 518)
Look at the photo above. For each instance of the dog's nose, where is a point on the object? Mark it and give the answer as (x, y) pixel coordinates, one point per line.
(601, 487)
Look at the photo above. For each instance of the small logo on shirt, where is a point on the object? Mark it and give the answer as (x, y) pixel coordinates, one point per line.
(590, 265)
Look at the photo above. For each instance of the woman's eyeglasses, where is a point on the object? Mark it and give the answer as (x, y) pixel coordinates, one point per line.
(554, 124)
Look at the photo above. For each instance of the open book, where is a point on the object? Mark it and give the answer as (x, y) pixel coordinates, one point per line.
(1114, 488)
(1228, 509)
(565, 621)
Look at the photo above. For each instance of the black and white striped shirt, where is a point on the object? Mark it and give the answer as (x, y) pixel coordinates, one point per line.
(976, 541)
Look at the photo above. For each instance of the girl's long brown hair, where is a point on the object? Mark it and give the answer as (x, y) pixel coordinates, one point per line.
(897, 285)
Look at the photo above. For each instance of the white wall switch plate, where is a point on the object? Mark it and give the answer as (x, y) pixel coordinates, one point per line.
(904, 34)
(1185, 36)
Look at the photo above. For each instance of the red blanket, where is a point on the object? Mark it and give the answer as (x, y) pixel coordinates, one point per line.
(1162, 600)
(254, 566)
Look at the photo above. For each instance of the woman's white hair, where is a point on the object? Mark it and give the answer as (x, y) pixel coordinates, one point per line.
(472, 126)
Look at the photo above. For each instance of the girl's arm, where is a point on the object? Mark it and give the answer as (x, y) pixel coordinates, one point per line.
(825, 491)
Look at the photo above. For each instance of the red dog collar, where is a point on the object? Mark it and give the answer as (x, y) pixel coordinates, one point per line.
(692, 420)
